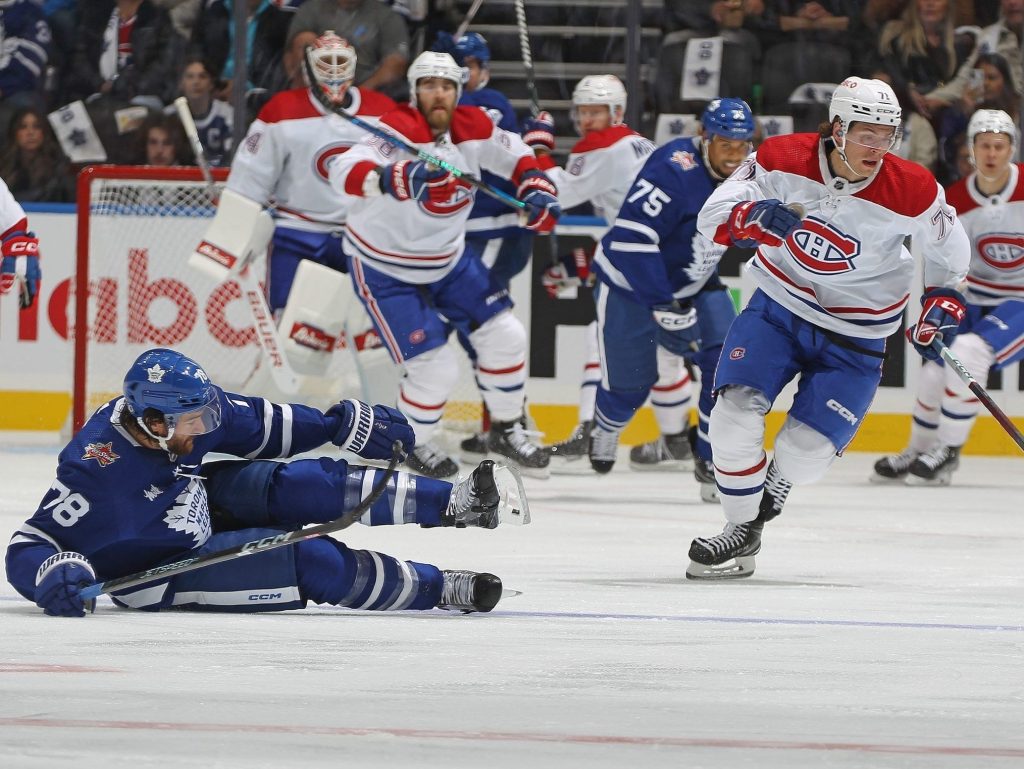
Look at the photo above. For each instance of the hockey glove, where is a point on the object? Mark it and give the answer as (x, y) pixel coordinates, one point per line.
(369, 432)
(756, 222)
(572, 271)
(537, 191)
(417, 180)
(942, 309)
(20, 265)
(678, 331)
(58, 582)
(539, 132)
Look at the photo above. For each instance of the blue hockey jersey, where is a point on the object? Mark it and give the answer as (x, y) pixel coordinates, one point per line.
(653, 251)
(489, 217)
(127, 507)
(24, 47)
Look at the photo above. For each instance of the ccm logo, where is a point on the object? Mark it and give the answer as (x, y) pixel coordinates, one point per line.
(842, 411)
(265, 597)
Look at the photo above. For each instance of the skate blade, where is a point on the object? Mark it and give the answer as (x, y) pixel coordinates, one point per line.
(737, 568)
(564, 465)
(668, 466)
(916, 480)
(508, 592)
(513, 507)
(882, 480)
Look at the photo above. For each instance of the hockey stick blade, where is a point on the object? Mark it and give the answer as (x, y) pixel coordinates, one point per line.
(513, 507)
(90, 592)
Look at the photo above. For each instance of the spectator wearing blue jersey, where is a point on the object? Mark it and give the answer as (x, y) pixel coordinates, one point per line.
(24, 51)
(658, 285)
(213, 117)
(135, 489)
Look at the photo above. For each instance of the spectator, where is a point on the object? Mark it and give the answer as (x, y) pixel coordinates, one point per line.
(378, 34)
(213, 37)
(1005, 38)
(127, 51)
(24, 50)
(32, 163)
(878, 12)
(162, 142)
(213, 118)
(183, 13)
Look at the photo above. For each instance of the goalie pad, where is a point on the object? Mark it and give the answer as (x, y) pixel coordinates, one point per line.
(314, 317)
(239, 232)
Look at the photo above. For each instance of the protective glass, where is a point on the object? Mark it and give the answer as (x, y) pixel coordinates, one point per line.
(200, 421)
(874, 140)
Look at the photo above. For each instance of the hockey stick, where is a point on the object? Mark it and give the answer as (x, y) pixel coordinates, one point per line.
(469, 18)
(524, 51)
(965, 375)
(249, 548)
(267, 334)
(504, 197)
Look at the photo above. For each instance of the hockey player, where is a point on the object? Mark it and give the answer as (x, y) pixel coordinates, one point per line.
(833, 281)
(599, 170)
(19, 251)
(134, 490)
(406, 240)
(658, 294)
(990, 204)
(285, 156)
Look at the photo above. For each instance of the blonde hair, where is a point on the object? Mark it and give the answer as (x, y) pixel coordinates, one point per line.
(906, 37)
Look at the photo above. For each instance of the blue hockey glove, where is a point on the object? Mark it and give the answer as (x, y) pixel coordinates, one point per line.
(369, 432)
(539, 132)
(678, 331)
(20, 265)
(539, 194)
(58, 582)
(417, 180)
(942, 309)
(756, 222)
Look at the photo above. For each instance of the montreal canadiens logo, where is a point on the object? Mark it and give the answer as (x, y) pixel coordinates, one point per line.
(462, 197)
(820, 248)
(322, 159)
(1002, 250)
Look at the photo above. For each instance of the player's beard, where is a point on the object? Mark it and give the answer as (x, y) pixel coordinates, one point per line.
(439, 118)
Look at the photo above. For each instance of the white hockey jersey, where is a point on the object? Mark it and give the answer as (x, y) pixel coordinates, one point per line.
(414, 241)
(600, 169)
(846, 268)
(11, 212)
(995, 226)
(287, 150)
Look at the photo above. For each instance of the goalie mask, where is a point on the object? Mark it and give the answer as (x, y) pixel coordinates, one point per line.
(333, 63)
(435, 64)
(990, 121)
(176, 386)
(600, 89)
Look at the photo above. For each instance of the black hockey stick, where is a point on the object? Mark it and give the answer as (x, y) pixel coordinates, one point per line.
(468, 20)
(527, 56)
(426, 157)
(250, 548)
(961, 371)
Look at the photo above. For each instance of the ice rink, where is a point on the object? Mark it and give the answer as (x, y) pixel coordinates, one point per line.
(883, 628)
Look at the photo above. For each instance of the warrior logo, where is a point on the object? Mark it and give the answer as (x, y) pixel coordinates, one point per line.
(1002, 250)
(820, 248)
(102, 453)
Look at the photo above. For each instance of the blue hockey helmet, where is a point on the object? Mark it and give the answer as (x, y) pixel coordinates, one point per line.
(728, 118)
(472, 44)
(177, 387)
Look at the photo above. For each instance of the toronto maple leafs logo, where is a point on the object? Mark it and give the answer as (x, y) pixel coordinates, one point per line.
(102, 453)
(155, 373)
(152, 492)
(190, 513)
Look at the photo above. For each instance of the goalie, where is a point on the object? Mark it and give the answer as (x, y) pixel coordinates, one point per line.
(133, 491)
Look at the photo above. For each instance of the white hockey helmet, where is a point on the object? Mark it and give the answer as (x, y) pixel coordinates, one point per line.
(333, 62)
(601, 89)
(990, 121)
(435, 64)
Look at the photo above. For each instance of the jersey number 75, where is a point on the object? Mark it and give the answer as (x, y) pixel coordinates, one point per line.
(656, 197)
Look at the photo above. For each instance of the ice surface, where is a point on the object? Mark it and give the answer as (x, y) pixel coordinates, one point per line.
(883, 628)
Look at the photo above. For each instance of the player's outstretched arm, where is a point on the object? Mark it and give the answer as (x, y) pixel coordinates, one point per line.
(369, 431)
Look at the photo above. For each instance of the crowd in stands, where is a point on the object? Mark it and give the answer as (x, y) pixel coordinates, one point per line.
(126, 61)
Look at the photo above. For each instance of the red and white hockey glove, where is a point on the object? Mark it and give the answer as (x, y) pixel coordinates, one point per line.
(756, 222)
(539, 132)
(20, 264)
(417, 180)
(539, 194)
(942, 309)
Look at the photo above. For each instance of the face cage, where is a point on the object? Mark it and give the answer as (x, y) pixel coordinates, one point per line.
(332, 76)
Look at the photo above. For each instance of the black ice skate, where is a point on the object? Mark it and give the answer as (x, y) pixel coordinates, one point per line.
(935, 467)
(669, 453)
(468, 591)
(893, 469)
(603, 449)
(475, 444)
(570, 456)
(510, 440)
(704, 473)
(474, 501)
(431, 462)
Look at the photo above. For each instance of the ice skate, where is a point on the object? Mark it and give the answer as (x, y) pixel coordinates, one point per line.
(669, 453)
(729, 555)
(602, 449)
(469, 591)
(430, 461)
(934, 467)
(893, 468)
(704, 473)
(474, 444)
(510, 440)
(570, 456)
(493, 494)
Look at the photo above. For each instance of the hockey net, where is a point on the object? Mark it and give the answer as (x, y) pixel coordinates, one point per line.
(134, 290)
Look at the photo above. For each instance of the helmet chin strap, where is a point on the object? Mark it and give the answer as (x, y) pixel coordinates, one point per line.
(841, 149)
(704, 142)
(161, 440)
